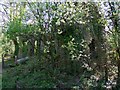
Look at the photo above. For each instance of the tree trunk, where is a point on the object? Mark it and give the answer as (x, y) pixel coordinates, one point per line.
(39, 47)
(2, 61)
(31, 44)
(16, 47)
(118, 80)
(106, 74)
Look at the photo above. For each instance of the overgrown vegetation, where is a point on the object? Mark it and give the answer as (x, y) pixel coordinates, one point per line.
(69, 45)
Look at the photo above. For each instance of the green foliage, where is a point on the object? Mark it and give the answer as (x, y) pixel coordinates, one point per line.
(59, 40)
(5, 45)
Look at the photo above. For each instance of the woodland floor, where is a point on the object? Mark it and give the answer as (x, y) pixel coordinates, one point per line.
(30, 75)
(33, 74)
